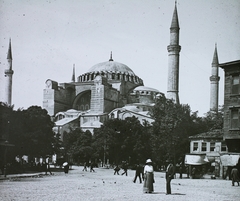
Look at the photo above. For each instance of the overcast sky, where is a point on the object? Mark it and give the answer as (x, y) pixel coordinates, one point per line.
(48, 37)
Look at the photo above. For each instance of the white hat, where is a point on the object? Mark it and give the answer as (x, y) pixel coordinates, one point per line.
(148, 161)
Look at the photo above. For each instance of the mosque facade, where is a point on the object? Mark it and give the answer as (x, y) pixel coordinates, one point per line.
(107, 90)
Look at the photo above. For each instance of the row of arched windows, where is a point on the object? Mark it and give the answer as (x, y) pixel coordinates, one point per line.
(83, 107)
(109, 75)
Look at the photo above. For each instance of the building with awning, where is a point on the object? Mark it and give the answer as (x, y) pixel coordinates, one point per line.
(205, 151)
(195, 159)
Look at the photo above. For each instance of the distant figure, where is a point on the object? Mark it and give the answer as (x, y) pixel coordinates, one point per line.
(91, 167)
(187, 170)
(116, 170)
(138, 173)
(148, 177)
(47, 168)
(85, 166)
(66, 167)
(124, 167)
(235, 176)
(169, 177)
(180, 171)
(194, 173)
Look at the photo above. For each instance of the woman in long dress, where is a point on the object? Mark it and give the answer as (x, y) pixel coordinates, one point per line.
(148, 177)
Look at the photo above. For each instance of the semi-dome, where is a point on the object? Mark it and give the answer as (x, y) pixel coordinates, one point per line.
(111, 66)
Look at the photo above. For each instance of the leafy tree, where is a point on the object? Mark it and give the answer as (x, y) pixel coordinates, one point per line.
(214, 120)
(104, 144)
(171, 130)
(30, 131)
(143, 149)
(122, 140)
(78, 145)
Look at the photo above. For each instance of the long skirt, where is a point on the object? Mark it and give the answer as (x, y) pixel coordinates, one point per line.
(148, 182)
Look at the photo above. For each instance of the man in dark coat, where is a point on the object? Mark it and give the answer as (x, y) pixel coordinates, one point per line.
(138, 173)
(235, 176)
(169, 177)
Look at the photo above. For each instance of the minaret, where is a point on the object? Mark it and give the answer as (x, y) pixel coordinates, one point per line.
(73, 75)
(173, 59)
(214, 82)
(8, 76)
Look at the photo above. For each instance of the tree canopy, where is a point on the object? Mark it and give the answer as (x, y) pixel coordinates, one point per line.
(30, 131)
(171, 129)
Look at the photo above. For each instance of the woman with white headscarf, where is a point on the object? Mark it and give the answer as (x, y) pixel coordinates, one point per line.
(148, 177)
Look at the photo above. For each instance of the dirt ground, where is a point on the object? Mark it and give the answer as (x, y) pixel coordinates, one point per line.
(102, 185)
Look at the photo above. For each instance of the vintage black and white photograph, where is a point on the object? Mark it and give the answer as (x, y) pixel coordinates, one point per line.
(119, 100)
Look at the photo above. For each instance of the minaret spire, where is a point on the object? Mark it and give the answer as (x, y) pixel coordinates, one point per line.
(73, 75)
(214, 82)
(173, 59)
(175, 23)
(9, 55)
(8, 76)
(111, 57)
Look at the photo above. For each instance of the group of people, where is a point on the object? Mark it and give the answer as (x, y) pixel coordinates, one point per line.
(85, 165)
(147, 175)
(124, 167)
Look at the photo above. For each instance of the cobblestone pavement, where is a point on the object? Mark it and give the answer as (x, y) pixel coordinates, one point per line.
(102, 185)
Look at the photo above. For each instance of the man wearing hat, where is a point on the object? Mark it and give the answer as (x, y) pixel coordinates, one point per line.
(148, 177)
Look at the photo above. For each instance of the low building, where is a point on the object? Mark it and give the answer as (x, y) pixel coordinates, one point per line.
(205, 152)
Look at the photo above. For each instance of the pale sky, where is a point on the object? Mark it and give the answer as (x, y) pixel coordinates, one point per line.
(48, 37)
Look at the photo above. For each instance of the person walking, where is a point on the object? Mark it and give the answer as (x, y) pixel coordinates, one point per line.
(116, 170)
(169, 177)
(91, 167)
(235, 176)
(148, 177)
(125, 168)
(138, 173)
(85, 166)
(47, 168)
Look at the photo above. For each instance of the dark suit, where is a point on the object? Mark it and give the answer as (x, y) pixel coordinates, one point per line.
(138, 173)
(169, 177)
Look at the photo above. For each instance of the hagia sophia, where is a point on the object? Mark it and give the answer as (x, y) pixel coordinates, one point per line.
(107, 90)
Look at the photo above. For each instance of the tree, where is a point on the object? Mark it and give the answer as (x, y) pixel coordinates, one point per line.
(122, 140)
(30, 131)
(214, 120)
(78, 145)
(171, 130)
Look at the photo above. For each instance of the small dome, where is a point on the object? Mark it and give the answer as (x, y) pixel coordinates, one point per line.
(143, 88)
(111, 66)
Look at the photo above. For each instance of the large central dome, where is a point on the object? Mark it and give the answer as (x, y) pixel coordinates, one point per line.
(114, 72)
(111, 66)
